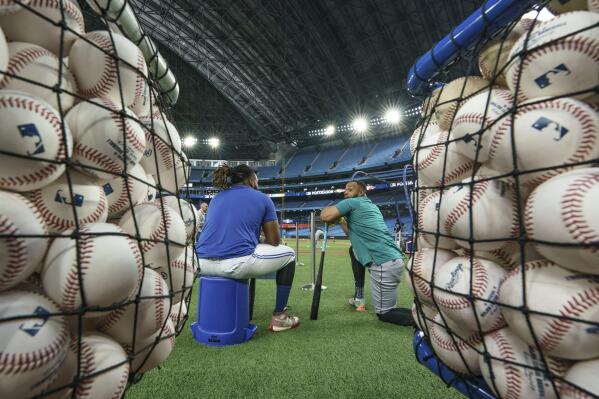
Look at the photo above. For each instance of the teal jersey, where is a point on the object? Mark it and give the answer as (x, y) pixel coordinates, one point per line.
(368, 232)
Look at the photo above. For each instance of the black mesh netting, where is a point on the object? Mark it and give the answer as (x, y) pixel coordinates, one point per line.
(97, 255)
(506, 269)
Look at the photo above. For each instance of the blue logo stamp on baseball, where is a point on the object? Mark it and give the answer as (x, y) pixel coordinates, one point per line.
(33, 138)
(544, 125)
(544, 80)
(63, 198)
(32, 327)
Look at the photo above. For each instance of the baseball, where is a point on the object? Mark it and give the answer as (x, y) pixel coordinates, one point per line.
(423, 316)
(553, 65)
(26, 26)
(552, 294)
(428, 217)
(160, 344)
(425, 129)
(104, 369)
(584, 375)
(492, 206)
(437, 162)
(563, 210)
(154, 228)
(104, 139)
(180, 276)
(19, 256)
(32, 349)
(510, 371)
(494, 58)
(96, 70)
(453, 94)
(152, 312)
(160, 135)
(30, 61)
(110, 266)
(476, 121)
(565, 129)
(122, 193)
(449, 351)
(562, 6)
(178, 314)
(32, 128)
(421, 268)
(187, 211)
(171, 180)
(57, 203)
(453, 288)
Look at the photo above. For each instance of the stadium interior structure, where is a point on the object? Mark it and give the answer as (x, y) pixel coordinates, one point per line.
(472, 124)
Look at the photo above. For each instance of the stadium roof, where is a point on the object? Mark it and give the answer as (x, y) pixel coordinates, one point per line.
(258, 72)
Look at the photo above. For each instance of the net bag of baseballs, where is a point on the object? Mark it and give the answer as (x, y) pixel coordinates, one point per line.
(505, 277)
(95, 221)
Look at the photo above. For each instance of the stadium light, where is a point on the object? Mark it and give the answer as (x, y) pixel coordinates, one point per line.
(330, 130)
(189, 141)
(214, 142)
(393, 116)
(360, 125)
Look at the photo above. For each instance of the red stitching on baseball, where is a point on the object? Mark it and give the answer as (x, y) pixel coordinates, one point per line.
(70, 9)
(421, 284)
(88, 366)
(572, 203)
(22, 59)
(71, 286)
(512, 374)
(448, 344)
(463, 206)
(109, 72)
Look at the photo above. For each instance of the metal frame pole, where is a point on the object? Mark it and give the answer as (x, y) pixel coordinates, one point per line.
(297, 246)
(310, 286)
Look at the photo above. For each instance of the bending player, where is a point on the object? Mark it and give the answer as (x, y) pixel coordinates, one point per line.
(228, 246)
(374, 248)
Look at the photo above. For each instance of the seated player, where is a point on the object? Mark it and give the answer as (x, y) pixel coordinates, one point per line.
(374, 248)
(228, 246)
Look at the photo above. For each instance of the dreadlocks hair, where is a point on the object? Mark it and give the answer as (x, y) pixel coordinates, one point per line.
(359, 183)
(225, 176)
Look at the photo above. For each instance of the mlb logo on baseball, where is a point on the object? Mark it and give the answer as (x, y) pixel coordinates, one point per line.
(30, 131)
(33, 327)
(545, 124)
(544, 80)
(64, 199)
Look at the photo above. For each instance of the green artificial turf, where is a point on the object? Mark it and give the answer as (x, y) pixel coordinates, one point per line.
(344, 354)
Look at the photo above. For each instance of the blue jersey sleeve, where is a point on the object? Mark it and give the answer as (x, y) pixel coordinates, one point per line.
(346, 206)
(270, 213)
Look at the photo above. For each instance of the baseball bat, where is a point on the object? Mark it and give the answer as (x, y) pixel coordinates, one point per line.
(318, 283)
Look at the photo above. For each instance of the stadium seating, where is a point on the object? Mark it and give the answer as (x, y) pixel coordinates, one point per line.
(268, 172)
(354, 157)
(300, 162)
(325, 160)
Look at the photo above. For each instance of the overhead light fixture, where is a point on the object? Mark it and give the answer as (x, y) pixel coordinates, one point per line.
(189, 141)
(393, 116)
(214, 142)
(360, 125)
(330, 130)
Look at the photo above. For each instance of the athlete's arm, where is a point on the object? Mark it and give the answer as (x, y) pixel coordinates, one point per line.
(330, 214)
(272, 235)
